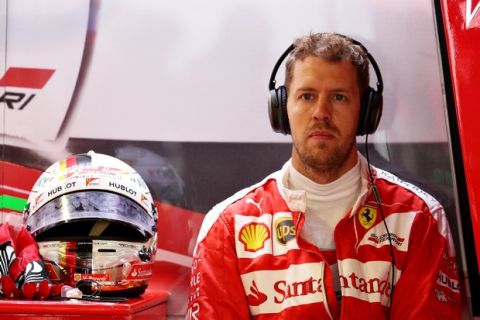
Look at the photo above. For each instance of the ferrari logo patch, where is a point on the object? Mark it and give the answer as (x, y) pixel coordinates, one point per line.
(367, 216)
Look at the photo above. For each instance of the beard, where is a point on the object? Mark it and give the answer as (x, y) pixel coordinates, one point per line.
(323, 159)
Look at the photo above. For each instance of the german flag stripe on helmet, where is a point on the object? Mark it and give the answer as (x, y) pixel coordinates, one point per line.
(74, 160)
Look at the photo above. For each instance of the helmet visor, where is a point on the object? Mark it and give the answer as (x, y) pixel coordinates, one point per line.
(98, 208)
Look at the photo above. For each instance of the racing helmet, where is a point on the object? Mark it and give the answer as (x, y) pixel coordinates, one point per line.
(95, 223)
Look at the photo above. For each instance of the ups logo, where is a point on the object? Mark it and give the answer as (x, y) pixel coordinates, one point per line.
(285, 230)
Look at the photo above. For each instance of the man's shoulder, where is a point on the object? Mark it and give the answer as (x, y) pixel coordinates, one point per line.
(252, 195)
(407, 187)
(243, 202)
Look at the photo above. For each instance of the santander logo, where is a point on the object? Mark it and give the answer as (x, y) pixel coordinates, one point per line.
(256, 297)
(369, 286)
(296, 289)
(284, 290)
(271, 291)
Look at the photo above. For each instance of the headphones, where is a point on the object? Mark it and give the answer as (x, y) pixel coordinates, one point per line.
(371, 103)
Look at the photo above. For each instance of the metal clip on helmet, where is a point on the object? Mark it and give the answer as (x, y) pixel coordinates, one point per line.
(95, 223)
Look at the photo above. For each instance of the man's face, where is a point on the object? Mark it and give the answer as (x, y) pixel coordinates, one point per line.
(323, 107)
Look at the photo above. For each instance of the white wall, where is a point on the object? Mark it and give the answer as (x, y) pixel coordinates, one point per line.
(198, 70)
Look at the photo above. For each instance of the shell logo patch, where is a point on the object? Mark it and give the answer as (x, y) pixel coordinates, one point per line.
(253, 236)
(367, 216)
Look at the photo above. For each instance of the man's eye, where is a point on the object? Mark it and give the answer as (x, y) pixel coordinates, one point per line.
(307, 97)
(339, 97)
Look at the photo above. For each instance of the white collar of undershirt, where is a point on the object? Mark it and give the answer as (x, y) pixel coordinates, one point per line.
(332, 191)
(326, 204)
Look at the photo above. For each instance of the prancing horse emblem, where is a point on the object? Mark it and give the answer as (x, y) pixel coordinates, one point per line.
(367, 216)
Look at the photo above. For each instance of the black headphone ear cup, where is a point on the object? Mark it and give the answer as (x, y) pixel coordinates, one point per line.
(283, 97)
(277, 110)
(370, 112)
(377, 110)
(273, 106)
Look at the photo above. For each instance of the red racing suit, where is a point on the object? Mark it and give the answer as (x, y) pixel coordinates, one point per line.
(251, 263)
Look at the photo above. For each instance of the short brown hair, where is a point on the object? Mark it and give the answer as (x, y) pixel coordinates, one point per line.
(332, 47)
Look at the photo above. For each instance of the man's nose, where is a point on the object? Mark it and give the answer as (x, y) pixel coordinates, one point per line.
(322, 109)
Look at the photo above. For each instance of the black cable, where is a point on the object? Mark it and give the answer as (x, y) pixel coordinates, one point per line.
(379, 204)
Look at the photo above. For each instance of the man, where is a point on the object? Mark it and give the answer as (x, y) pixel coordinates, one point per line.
(328, 236)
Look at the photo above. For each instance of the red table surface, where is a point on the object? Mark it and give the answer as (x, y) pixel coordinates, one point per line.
(151, 305)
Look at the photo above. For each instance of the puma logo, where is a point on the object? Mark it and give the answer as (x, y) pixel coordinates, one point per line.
(256, 204)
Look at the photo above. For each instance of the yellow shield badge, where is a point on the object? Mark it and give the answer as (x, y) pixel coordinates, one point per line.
(253, 236)
(367, 216)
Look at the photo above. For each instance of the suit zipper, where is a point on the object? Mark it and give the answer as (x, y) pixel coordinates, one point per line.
(324, 292)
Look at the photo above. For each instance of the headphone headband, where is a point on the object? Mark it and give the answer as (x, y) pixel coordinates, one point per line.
(374, 64)
(272, 82)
